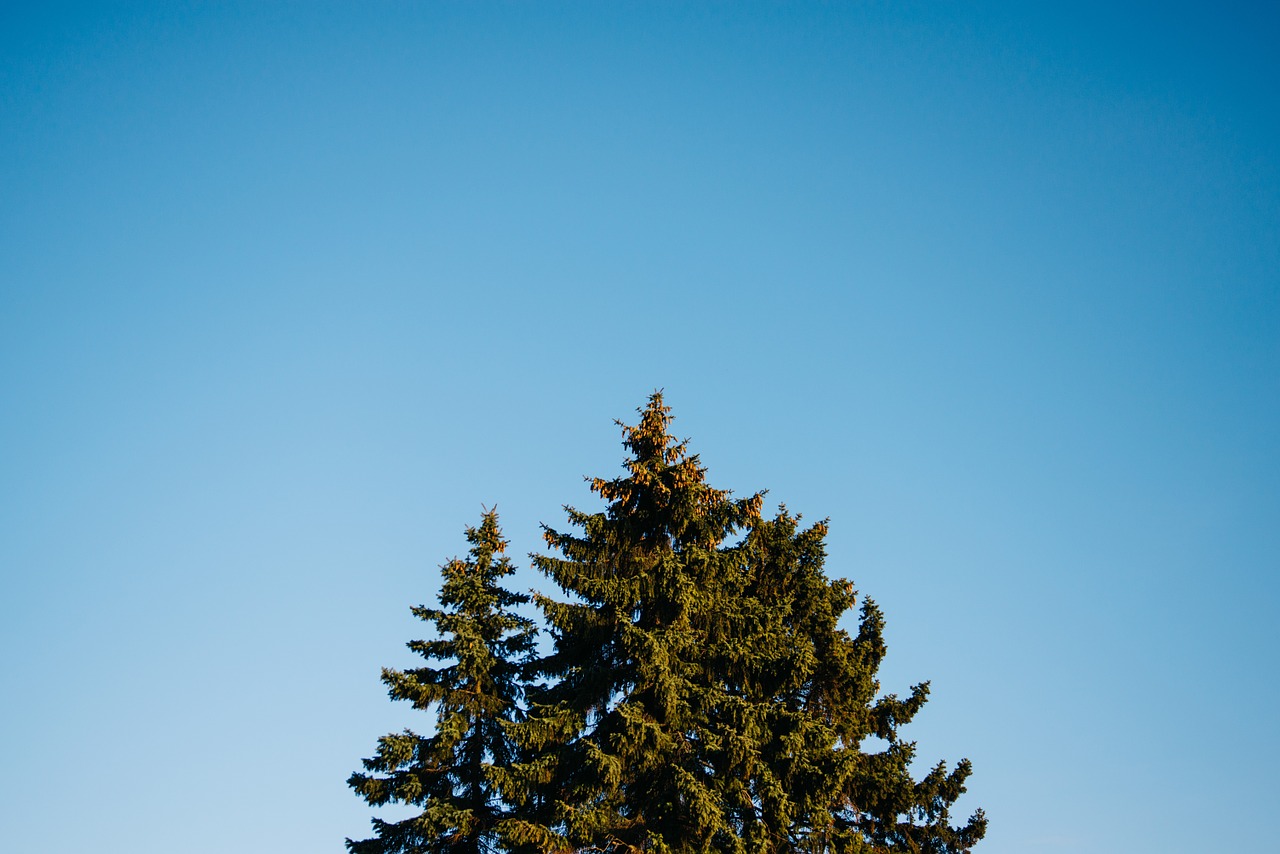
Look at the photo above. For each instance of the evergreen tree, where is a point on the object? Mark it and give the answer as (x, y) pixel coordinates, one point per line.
(701, 696)
(482, 646)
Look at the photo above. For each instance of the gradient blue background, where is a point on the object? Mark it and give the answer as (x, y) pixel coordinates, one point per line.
(289, 291)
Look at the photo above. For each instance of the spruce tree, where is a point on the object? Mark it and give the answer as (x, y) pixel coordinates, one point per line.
(701, 696)
(482, 646)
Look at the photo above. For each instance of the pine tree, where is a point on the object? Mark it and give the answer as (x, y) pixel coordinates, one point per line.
(701, 696)
(483, 646)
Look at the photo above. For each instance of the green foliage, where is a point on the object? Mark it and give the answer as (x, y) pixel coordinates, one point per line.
(476, 695)
(699, 694)
(616, 735)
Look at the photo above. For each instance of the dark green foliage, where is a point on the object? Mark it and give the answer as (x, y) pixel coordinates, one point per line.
(615, 738)
(817, 693)
(700, 695)
(483, 646)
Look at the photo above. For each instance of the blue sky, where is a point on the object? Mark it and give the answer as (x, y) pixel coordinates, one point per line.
(288, 292)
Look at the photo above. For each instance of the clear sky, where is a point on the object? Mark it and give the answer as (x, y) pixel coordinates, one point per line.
(288, 292)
